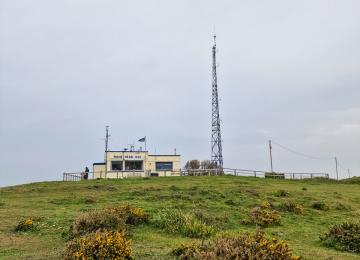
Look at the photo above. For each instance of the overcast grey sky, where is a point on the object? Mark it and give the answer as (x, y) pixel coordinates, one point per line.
(289, 71)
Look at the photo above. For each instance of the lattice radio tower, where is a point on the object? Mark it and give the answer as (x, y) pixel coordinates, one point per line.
(216, 144)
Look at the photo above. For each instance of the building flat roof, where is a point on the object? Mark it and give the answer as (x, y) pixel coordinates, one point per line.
(99, 163)
(123, 151)
(164, 155)
(142, 152)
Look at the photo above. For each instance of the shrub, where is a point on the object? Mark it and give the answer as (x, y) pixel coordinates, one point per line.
(253, 192)
(344, 237)
(230, 202)
(291, 206)
(342, 206)
(282, 193)
(246, 246)
(215, 221)
(186, 251)
(319, 205)
(97, 220)
(99, 245)
(175, 221)
(112, 219)
(25, 225)
(263, 216)
(89, 200)
(174, 188)
(131, 215)
(352, 180)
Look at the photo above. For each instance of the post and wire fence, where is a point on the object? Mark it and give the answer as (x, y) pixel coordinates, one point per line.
(78, 176)
(328, 158)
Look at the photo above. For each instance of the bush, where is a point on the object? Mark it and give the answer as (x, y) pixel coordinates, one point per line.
(319, 205)
(99, 245)
(344, 237)
(97, 220)
(282, 193)
(132, 216)
(352, 180)
(263, 216)
(246, 246)
(112, 219)
(186, 251)
(25, 225)
(291, 206)
(342, 206)
(175, 221)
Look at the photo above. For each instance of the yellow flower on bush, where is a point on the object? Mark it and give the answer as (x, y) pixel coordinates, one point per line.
(25, 225)
(99, 245)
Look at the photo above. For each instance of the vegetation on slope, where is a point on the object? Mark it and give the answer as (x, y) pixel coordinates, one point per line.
(219, 202)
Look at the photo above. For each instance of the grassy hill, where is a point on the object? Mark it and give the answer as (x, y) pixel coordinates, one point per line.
(54, 205)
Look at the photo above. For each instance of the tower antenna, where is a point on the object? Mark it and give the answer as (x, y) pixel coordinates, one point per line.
(216, 143)
(107, 135)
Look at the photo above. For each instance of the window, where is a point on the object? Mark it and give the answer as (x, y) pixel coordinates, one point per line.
(133, 165)
(164, 166)
(116, 165)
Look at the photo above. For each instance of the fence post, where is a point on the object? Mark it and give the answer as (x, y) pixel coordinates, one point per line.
(254, 173)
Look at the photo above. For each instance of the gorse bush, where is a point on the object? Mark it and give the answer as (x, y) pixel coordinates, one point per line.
(282, 193)
(187, 251)
(291, 206)
(246, 246)
(132, 216)
(344, 237)
(97, 220)
(99, 245)
(176, 221)
(100, 234)
(319, 205)
(263, 216)
(25, 225)
(115, 219)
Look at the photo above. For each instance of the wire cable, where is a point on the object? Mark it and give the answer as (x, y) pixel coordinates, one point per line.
(302, 154)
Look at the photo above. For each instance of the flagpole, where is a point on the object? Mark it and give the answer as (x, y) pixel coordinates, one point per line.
(145, 143)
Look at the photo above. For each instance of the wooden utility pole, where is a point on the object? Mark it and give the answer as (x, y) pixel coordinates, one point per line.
(271, 161)
(337, 172)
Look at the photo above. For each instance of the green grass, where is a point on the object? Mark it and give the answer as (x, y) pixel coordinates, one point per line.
(55, 204)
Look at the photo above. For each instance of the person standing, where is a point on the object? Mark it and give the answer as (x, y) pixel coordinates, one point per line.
(86, 176)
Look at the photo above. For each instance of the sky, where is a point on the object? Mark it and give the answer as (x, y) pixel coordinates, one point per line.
(288, 71)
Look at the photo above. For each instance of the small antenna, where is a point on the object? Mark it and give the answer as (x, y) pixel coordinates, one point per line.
(214, 36)
(107, 135)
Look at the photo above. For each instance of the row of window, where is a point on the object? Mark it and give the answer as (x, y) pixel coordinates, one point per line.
(138, 166)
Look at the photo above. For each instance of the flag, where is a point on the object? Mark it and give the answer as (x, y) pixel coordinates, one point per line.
(142, 139)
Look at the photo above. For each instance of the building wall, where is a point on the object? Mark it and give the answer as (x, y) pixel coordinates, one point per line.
(175, 159)
(98, 171)
(148, 166)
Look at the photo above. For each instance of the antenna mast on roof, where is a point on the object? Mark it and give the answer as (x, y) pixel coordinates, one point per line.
(106, 140)
(216, 144)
